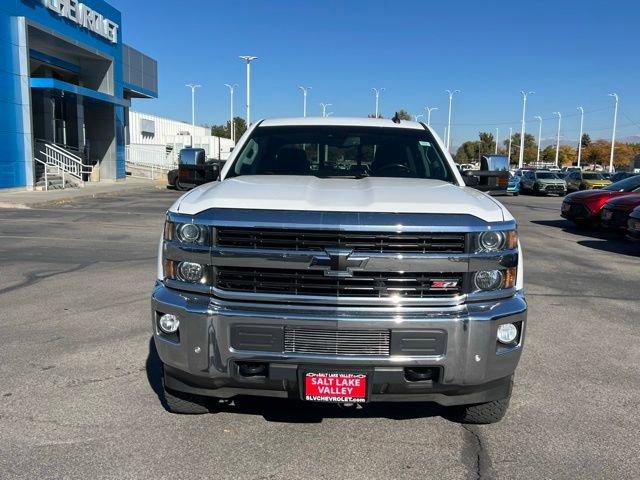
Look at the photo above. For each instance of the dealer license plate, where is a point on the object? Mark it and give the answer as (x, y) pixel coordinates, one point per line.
(335, 387)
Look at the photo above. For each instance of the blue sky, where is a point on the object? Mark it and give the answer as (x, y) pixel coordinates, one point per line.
(570, 53)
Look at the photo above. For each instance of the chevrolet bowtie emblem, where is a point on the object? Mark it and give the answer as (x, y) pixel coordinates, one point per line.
(338, 263)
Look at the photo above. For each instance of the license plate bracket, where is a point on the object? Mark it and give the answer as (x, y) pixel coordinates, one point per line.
(334, 386)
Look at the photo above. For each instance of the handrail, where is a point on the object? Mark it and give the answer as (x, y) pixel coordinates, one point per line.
(65, 162)
(46, 174)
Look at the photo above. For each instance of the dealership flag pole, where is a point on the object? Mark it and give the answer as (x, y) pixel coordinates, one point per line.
(232, 127)
(497, 133)
(510, 136)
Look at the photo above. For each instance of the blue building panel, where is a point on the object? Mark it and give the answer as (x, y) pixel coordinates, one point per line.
(18, 18)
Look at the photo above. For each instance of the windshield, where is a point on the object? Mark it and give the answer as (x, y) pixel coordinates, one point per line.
(546, 175)
(626, 185)
(592, 176)
(342, 151)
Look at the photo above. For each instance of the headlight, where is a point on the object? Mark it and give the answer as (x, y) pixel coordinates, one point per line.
(491, 241)
(190, 233)
(190, 272)
(495, 240)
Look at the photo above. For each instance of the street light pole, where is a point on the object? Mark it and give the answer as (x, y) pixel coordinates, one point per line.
(193, 87)
(524, 108)
(377, 92)
(416, 117)
(613, 135)
(248, 59)
(305, 90)
(558, 136)
(232, 127)
(510, 136)
(451, 94)
(497, 133)
(429, 110)
(324, 108)
(539, 118)
(580, 136)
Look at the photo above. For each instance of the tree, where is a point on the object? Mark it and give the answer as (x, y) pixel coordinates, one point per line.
(224, 131)
(404, 115)
(373, 115)
(566, 157)
(468, 152)
(487, 142)
(530, 148)
(586, 140)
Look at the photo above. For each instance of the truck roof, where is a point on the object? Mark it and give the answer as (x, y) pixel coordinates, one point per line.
(340, 121)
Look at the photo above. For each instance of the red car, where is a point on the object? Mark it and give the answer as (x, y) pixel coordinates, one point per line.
(615, 213)
(583, 207)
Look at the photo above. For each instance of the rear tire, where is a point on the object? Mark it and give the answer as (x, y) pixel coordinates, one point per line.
(185, 403)
(481, 413)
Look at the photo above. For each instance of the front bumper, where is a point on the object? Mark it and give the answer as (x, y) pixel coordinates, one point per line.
(472, 367)
(613, 219)
(578, 212)
(553, 188)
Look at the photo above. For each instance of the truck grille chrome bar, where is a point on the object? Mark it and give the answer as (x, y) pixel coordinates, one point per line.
(318, 240)
(337, 342)
(361, 284)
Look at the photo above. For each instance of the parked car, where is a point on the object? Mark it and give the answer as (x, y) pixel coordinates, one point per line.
(585, 181)
(615, 212)
(616, 177)
(543, 182)
(513, 187)
(583, 208)
(633, 225)
(405, 285)
(567, 170)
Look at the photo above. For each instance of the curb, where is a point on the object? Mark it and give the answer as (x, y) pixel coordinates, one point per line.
(71, 198)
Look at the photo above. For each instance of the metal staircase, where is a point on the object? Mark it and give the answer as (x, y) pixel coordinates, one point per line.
(59, 168)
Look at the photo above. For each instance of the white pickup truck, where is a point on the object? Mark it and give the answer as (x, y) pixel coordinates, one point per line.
(340, 260)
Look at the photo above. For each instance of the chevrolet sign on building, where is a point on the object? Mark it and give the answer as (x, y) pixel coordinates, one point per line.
(85, 17)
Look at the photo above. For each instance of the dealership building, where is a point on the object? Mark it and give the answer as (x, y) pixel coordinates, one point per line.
(66, 85)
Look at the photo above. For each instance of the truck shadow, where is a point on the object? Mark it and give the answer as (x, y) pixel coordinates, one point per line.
(293, 410)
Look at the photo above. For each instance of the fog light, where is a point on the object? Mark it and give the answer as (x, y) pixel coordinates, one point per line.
(488, 279)
(507, 333)
(190, 272)
(168, 323)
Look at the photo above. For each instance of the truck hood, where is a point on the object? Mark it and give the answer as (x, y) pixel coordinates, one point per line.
(386, 195)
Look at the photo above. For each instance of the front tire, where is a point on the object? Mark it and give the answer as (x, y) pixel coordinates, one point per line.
(185, 403)
(481, 413)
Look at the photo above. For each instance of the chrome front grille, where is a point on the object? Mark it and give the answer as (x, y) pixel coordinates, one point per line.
(318, 240)
(337, 342)
(315, 282)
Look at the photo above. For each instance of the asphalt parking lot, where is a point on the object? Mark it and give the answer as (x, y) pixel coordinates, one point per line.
(79, 378)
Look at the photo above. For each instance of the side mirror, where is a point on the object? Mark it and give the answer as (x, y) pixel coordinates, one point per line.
(470, 180)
